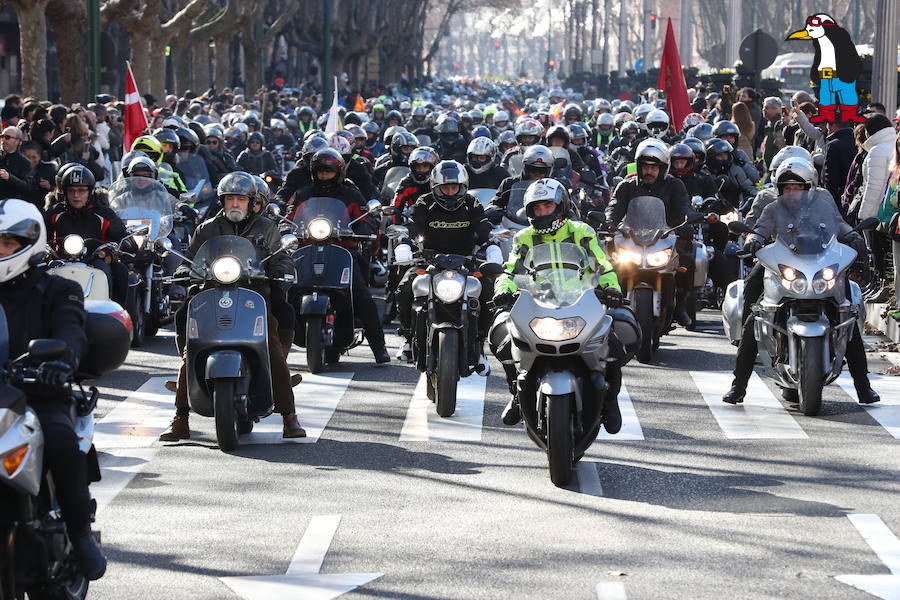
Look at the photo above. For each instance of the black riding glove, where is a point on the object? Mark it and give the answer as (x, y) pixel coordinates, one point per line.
(54, 374)
(505, 300)
(611, 297)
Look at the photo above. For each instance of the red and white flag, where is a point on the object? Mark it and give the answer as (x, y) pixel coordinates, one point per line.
(135, 118)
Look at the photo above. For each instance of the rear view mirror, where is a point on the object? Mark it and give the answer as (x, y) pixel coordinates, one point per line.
(164, 244)
(490, 269)
(187, 197)
(374, 206)
(596, 219)
(738, 228)
(866, 224)
(42, 350)
(289, 242)
(273, 209)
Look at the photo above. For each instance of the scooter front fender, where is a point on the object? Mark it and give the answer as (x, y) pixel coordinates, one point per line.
(558, 383)
(808, 329)
(224, 364)
(314, 304)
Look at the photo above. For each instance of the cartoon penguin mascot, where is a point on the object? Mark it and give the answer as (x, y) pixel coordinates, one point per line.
(836, 66)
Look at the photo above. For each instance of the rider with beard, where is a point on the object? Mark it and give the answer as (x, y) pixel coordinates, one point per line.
(652, 179)
(537, 162)
(481, 167)
(256, 159)
(450, 145)
(301, 176)
(38, 305)
(402, 145)
(219, 161)
(446, 220)
(328, 171)
(795, 181)
(237, 195)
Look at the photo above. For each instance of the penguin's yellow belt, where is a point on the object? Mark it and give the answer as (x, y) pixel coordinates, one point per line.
(826, 74)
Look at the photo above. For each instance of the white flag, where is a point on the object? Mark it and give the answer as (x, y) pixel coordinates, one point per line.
(334, 119)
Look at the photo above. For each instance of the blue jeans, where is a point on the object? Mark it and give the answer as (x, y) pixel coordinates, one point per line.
(834, 91)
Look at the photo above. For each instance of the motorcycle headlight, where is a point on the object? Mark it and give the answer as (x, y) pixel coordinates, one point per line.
(557, 330)
(628, 256)
(825, 279)
(319, 229)
(448, 286)
(73, 245)
(788, 273)
(659, 258)
(728, 217)
(799, 285)
(226, 269)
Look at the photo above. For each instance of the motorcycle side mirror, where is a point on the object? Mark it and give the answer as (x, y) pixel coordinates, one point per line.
(596, 219)
(289, 241)
(866, 224)
(273, 209)
(164, 245)
(374, 207)
(42, 350)
(139, 230)
(187, 197)
(737, 228)
(388, 211)
(490, 269)
(697, 201)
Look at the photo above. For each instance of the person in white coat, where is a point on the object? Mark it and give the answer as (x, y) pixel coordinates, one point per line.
(876, 168)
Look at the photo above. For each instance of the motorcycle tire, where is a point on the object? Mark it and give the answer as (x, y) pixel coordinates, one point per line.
(226, 415)
(315, 344)
(811, 375)
(245, 427)
(332, 356)
(643, 312)
(690, 306)
(447, 373)
(152, 317)
(429, 387)
(76, 589)
(560, 438)
(138, 324)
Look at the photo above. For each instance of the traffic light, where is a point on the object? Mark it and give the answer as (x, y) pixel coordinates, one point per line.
(497, 44)
(168, 51)
(653, 20)
(457, 66)
(551, 63)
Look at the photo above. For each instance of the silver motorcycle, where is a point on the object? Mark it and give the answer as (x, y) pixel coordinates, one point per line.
(808, 309)
(559, 333)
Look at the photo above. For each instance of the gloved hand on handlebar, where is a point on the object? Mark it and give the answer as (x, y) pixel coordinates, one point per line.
(751, 246)
(611, 297)
(403, 254)
(505, 300)
(493, 254)
(54, 374)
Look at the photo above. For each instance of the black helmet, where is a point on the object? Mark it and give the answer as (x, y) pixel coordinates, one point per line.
(305, 111)
(394, 115)
(251, 121)
(699, 149)
(573, 111)
(312, 145)
(577, 131)
(630, 128)
(168, 136)
(681, 151)
(256, 137)
(197, 128)
(558, 131)
(402, 139)
(77, 175)
(547, 190)
(447, 126)
(141, 166)
(714, 147)
(62, 171)
(423, 155)
(723, 128)
(328, 159)
(449, 171)
(702, 132)
(188, 140)
(239, 183)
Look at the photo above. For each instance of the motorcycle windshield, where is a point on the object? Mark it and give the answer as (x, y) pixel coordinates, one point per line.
(562, 162)
(514, 164)
(195, 173)
(330, 209)
(143, 201)
(222, 246)
(515, 207)
(811, 224)
(645, 219)
(394, 175)
(483, 195)
(557, 274)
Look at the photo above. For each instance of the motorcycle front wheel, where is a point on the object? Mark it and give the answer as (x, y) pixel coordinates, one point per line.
(447, 372)
(560, 438)
(643, 311)
(75, 589)
(811, 375)
(226, 415)
(315, 344)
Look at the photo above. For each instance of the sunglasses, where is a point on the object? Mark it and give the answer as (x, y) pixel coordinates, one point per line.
(212, 142)
(817, 22)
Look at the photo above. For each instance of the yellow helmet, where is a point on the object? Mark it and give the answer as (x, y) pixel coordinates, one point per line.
(150, 146)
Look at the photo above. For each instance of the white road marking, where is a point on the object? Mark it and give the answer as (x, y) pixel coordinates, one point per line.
(631, 426)
(302, 579)
(760, 417)
(423, 423)
(611, 590)
(886, 545)
(588, 478)
(886, 412)
(125, 437)
(316, 399)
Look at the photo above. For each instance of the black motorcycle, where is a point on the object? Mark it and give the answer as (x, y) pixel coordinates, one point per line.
(322, 296)
(227, 356)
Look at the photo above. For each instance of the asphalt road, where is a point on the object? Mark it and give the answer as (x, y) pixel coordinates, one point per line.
(693, 500)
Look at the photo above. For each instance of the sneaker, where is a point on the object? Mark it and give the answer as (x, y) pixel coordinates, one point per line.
(405, 353)
(483, 367)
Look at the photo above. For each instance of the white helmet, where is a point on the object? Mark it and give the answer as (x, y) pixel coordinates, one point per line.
(795, 170)
(481, 146)
(640, 113)
(277, 124)
(341, 144)
(657, 122)
(653, 151)
(501, 115)
(789, 152)
(22, 220)
(605, 122)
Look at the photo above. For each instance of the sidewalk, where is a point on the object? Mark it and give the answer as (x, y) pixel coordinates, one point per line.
(888, 327)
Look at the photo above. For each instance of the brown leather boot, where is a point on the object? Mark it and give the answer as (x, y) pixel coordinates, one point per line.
(292, 427)
(178, 430)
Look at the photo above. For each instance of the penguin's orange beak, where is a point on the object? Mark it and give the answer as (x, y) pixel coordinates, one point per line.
(799, 35)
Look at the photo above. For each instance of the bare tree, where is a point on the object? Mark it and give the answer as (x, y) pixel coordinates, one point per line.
(33, 45)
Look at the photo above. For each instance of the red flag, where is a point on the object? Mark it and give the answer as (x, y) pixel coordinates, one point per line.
(671, 81)
(135, 118)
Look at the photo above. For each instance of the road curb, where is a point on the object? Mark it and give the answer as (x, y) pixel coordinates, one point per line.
(887, 326)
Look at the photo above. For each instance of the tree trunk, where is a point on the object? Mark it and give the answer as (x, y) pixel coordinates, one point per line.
(251, 63)
(157, 68)
(33, 46)
(200, 64)
(140, 58)
(69, 22)
(181, 51)
(222, 61)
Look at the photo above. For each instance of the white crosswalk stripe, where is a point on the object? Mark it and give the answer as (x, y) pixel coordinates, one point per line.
(886, 412)
(631, 426)
(423, 423)
(760, 417)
